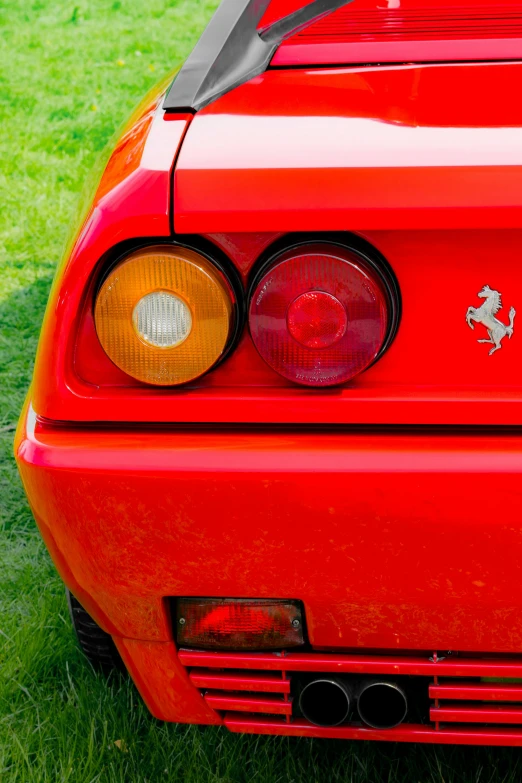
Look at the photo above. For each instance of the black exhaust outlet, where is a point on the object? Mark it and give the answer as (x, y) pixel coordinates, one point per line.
(326, 701)
(381, 704)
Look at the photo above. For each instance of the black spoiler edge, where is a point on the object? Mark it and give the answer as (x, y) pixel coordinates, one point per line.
(232, 50)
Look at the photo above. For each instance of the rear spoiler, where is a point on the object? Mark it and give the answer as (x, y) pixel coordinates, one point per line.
(232, 50)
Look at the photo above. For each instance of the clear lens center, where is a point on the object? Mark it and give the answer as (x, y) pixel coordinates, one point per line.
(162, 319)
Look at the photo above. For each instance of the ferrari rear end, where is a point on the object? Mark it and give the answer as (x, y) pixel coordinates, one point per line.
(274, 437)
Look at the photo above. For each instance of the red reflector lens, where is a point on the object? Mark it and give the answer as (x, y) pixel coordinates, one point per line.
(239, 624)
(316, 319)
(321, 314)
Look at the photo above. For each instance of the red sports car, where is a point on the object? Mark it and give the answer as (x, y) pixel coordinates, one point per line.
(273, 442)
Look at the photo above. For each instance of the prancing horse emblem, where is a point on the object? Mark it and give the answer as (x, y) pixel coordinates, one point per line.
(485, 315)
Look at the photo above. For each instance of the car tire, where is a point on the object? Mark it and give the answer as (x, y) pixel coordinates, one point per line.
(95, 643)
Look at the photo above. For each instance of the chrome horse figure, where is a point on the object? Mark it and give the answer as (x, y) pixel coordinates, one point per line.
(485, 315)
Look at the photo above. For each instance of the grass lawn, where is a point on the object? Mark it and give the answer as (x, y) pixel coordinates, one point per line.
(69, 75)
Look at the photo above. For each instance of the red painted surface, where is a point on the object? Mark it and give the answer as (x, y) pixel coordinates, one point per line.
(277, 9)
(379, 148)
(164, 683)
(126, 533)
(481, 691)
(273, 705)
(412, 665)
(301, 509)
(369, 31)
(403, 733)
(245, 681)
(496, 713)
(132, 201)
(379, 12)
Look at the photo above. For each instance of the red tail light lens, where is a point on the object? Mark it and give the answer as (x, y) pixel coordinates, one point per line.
(239, 624)
(321, 314)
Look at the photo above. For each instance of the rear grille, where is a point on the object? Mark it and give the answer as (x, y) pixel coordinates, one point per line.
(226, 690)
(431, 34)
(470, 702)
(435, 23)
(254, 691)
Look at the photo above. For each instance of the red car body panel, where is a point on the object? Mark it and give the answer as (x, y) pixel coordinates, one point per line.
(430, 578)
(401, 539)
(378, 149)
(434, 185)
(132, 201)
(386, 546)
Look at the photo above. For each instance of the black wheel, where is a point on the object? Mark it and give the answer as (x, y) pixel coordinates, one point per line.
(95, 643)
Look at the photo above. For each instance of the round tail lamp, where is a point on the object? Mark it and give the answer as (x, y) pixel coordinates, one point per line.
(322, 313)
(165, 315)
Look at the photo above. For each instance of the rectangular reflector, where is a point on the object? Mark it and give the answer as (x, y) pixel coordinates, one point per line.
(239, 623)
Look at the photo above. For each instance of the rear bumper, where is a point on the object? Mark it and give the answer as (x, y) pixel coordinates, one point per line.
(396, 542)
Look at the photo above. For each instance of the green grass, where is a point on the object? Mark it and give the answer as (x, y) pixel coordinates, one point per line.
(69, 75)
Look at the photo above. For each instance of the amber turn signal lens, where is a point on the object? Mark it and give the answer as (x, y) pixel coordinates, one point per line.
(164, 315)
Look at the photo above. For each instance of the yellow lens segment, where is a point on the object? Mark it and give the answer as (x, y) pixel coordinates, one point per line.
(164, 315)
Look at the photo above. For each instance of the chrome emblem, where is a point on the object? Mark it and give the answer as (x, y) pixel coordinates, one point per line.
(485, 315)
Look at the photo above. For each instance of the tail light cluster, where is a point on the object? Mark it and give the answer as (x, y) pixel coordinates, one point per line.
(318, 313)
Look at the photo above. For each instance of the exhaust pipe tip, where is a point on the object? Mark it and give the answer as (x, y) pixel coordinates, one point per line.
(325, 702)
(382, 705)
